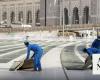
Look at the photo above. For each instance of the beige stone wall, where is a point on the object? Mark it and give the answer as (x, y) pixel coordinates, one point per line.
(19, 5)
(54, 13)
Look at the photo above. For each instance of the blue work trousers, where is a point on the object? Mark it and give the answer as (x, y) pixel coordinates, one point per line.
(36, 60)
(91, 51)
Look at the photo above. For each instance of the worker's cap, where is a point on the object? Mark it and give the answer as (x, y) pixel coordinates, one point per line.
(26, 43)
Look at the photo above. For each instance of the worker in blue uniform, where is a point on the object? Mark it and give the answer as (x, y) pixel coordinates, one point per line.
(38, 51)
(94, 49)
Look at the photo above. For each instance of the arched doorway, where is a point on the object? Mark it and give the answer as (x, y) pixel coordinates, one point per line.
(86, 15)
(75, 18)
(38, 17)
(4, 16)
(20, 16)
(12, 17)
(66, 15)
(29, 17)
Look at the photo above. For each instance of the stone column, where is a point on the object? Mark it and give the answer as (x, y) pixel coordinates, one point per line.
(24, 16)
(97, 11)
(70, 13)
(8, 15)
(16, 13)
(34, 12)
(0, 13)
(70, 19)
(33, 20)
(81, 13)
(61, 14)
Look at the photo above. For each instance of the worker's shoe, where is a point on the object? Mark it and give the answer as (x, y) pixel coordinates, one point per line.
(37, 69)
(40, 70)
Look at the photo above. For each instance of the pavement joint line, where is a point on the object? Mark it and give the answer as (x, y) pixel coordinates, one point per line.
(59, 49)
(5, 58)
(42, 44)
(12, 52)
(23, 56)
(19, 58)
(78, 54)
(1, 42)
(9, 46)
(5, 41)
(49, 44)
(64, 69)
(17, 51)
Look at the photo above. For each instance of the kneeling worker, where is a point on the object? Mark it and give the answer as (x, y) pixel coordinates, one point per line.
(38, 51)
(94, 49)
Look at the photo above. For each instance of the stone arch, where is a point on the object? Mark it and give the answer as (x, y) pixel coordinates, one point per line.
(20, 16)
(86, 15)
(66, 16)
(75, 17)
(4, 16)
(29, 17)
(12, 17)
(38, 17)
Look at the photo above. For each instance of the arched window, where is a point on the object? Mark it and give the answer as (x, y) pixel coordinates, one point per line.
(38, 17)
(12, 17)
(86, 15)
(66, 15)
(75, 18)
(29, 17)
(20, 16)
(4, 16)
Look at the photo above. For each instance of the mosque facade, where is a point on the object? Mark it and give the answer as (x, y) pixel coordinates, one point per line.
(70, 11)
(50, 12)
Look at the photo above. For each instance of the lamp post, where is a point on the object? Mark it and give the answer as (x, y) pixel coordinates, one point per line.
(63, 16)
(45, 11)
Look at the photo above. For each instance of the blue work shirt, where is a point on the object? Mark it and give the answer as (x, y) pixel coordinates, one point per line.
(35, 48)
(96, 44)
(95, 48)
